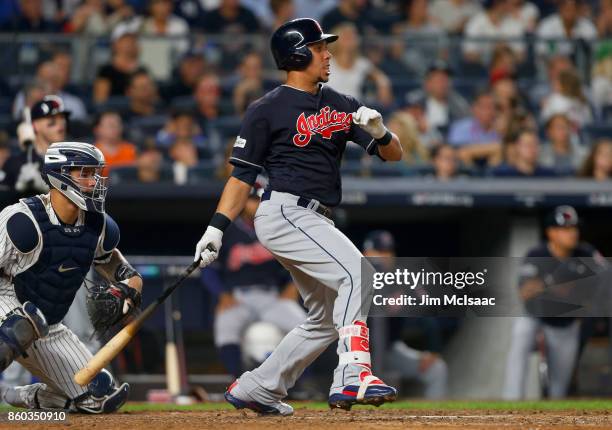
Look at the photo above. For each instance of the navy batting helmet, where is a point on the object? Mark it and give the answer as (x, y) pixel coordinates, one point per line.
(290, 41)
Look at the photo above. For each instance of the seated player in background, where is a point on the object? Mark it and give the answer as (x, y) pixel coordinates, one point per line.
(48, 244)
(252, 286)
(428, 368)
(550, 269)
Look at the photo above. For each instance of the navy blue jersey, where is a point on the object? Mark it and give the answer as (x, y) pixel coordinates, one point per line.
(299, 139)
(245, 262)
(541, 264)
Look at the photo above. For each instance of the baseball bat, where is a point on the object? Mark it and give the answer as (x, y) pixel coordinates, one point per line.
(121, 339)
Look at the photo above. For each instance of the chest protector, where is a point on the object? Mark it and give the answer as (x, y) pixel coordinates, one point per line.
(66, 256)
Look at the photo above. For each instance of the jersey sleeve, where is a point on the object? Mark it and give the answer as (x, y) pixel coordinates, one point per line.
(253, 141)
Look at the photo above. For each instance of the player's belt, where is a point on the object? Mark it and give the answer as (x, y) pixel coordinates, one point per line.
(311, 204)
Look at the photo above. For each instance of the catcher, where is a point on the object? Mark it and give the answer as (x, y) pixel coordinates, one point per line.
(47, 245)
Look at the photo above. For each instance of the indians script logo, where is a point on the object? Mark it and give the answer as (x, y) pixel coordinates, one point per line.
(325, 123)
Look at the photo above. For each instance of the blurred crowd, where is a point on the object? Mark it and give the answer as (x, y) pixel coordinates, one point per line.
(506, 88)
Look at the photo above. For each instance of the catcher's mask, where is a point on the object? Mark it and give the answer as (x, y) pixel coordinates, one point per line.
(75, 170)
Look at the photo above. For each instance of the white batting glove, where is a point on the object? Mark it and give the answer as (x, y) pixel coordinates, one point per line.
(25, 134)
(371, 121)
(208, 247)
(30, 178)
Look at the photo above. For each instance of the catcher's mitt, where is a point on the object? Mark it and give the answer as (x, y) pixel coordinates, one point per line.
(108, 304)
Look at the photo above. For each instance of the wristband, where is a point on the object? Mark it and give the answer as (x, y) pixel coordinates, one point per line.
(385, 140)
(220, 221)
(125, 271)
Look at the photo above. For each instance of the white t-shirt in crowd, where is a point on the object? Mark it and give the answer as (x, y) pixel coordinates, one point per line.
(480, 26)
(552, 28)
(350, 81)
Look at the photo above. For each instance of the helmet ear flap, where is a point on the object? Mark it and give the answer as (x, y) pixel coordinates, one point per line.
(300, 59)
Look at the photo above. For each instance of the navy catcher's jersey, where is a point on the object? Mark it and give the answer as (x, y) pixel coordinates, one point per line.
(244, 262)
(541, 264)
(299, 138)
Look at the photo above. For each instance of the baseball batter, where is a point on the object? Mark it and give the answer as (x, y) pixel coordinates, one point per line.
(298, 133)
(47, 245)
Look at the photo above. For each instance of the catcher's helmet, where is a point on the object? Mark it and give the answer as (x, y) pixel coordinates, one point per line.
(88, 190)
(290, 41)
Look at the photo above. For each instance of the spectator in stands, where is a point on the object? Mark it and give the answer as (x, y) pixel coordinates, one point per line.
(525, 13)
(182, 130)
(445, 162)
(191, 66)
(348, 11)
(423, 37)
(562, 150)
(230, 18)
(454, 14)
(182, 135)
(601, 82)
(63, 60)
(568, 98)
(526, 155)
(428, 135)
(512, 114)
(554, 66)
(98, 17)
(503, 60)
(406, 128)
(603, 22)
(108, 134)
(351, 69)
(149, 164)
(567, 24)
(442, 104)
(314, 9)
(30, 19)
(390, 59)
(249, 84)
(161, 22)
(476, 136)
(598, 164)
(49, 73)
(207, 96)
(114, 78)
(143, 96)
(282, 11)
(234, 21)
(492, 23)
(190, 10)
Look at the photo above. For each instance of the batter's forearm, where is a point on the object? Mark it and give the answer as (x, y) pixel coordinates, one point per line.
(392, 151)
(234, 197)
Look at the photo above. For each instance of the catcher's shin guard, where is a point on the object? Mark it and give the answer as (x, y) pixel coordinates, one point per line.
(370, 390)
(18, 330)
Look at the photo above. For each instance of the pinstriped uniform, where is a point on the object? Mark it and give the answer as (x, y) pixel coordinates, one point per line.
(55, 358)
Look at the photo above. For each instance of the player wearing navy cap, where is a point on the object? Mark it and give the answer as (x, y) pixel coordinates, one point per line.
(298, 132)
(550, 268)
(42, 125)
